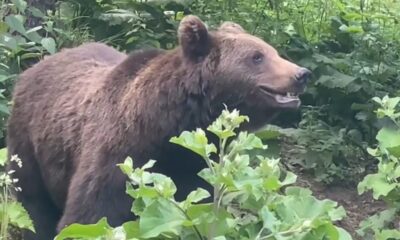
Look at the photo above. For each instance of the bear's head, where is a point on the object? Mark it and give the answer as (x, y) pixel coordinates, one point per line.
(241, 70)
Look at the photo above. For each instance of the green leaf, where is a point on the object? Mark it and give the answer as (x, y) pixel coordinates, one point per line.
(15, 23)
(196, 142)
(387, 234)
(390, 139)
(49, 44)
(90, 231)
(4, 109)
(204, 216)
(224, 126)
(270, 222)
(127, 166)
(132, 229)
(269, 132)
(343, 234)
(20, 4)
(377, 222)
(289, 179)
(247, 141)
(3, 156)
(3, 28)
(34, 29)
(378, 183)
(10, 42)
(36, 12)
(161, 218)
(335, 80)
(148, 165)
(301, 205)
(196, 196)
(17, 215)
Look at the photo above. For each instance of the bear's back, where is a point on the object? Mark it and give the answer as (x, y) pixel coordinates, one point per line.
(50, 106)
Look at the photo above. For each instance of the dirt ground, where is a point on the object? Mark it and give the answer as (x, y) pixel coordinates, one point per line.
(357, 207)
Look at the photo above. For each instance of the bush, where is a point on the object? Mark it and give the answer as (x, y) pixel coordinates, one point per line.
(385, 182)
(252, 197)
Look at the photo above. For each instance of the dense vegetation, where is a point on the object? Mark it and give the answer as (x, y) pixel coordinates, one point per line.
(347, 131)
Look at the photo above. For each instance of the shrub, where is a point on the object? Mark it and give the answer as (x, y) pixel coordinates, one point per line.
(252, 199)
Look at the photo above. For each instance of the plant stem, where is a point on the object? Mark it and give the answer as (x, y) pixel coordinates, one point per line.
(4, 221)
(188, 217)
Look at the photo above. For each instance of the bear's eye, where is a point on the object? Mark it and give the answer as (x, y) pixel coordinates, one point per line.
(258, 58)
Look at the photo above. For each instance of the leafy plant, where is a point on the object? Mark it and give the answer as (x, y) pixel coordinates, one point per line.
(385, 182)
(11, 212)
(19, 48)
(252, 197)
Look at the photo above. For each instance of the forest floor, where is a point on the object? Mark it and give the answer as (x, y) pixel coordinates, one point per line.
(358, 207)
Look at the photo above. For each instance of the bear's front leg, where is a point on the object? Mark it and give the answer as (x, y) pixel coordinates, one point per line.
(97, 190)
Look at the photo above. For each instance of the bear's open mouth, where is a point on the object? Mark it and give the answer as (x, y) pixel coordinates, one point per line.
(280, 97)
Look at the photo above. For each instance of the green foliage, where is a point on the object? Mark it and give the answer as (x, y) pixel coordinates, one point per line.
(351, 47)
(128, 24)
(19, 47)
(385, 183)
(252, 197)
(11, 212)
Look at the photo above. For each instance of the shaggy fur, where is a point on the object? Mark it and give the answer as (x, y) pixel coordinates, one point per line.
(78, 113)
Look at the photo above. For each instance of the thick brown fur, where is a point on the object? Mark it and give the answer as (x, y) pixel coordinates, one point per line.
(78, 113)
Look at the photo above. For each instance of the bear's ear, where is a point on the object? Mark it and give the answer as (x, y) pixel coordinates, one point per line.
(194, 38)
(231, 27)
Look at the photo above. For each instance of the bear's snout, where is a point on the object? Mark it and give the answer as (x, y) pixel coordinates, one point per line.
(302, 76)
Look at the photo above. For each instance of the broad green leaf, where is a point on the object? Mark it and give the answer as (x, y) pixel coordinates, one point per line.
(270, 222)
(36, 12)
(17, 215)
(127, 166)
(299, 204)
(343, 234)
(3, 28)
(351, 29)
(269, 132)
(219, 238)
(30, 55)
(378, 221)
(10, 42)
(164, 185)
(15, 23)
(392, 102)
(149, 164)
(247, 141)
(20, 4)
(196, 196)
(196, 142)
(224, 126)
(336, 80)
(4, 109)
(34, 29)
(90, 231)
(162, 217)
(387, 234)
(289, 179)
(132, 229)
(3, 156)
(204, 217)
(49, 44)
(390, 139)
(378, 183)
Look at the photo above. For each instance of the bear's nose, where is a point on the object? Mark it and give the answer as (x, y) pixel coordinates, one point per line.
(303, 75)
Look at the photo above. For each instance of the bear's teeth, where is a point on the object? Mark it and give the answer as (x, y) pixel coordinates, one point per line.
(289, 94)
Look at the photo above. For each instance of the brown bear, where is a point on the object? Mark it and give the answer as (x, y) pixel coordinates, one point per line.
(78, 113)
